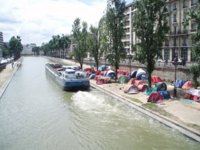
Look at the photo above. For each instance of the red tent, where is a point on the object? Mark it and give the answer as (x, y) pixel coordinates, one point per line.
(155, 79)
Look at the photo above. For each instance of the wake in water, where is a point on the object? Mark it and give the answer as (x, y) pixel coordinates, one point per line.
(89, 102)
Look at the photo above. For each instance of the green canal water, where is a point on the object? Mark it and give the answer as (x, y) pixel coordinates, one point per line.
(35, 114)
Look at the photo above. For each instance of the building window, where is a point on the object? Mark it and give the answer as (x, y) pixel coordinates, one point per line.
(184, 3)
(174, 6)
(193, 26)
(166, 54)
(193, 2)
(174, 41)
(184, 53)
(167, 43)
(174, 18)
(184, 41)
(174, 29)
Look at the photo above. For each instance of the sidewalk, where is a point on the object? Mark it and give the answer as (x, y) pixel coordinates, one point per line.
(181, 112)
(7, 74)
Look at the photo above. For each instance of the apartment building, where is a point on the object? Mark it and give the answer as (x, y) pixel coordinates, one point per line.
(179, 39)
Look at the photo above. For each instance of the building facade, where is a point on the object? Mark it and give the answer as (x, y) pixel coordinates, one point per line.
(1, 44)
(27, 49)
(179, 39)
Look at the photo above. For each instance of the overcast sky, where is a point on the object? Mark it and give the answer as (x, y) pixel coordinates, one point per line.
(35, 21)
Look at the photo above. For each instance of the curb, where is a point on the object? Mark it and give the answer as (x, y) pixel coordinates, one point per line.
(162, 119)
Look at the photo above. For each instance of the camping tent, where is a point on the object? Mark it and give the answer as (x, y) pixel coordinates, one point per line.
(179, 83)
(133, 74)
(123, 79)
(131, 89)
(161, 86)
(110, 73)
(155, 97)
(187, 85)
(102, 68)
(140, 74)
(155, 79)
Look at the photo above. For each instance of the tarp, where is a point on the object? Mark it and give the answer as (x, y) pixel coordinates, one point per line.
(179, 83)
(131, 89)
(123, 79)
(161, 86)
(155, 97)
(155, 79)
(165, 94)
(150, 90)
(187, 85)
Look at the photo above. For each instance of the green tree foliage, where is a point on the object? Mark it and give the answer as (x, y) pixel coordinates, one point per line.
(194, 15)
(97, 40)
(57, 46)
(80, 35)
(15, 46)
(36, 50)
(150, 26)
(195, 70)
(114, 22)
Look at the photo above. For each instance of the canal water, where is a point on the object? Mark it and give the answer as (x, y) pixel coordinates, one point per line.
(35, 114)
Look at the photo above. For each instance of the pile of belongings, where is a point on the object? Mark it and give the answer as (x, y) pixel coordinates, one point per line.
(103, 80)
(186, 85)
(192, 94)
(157, 93)
(140, 84)
(140, 74)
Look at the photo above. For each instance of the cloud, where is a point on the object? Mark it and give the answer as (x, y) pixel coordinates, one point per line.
(36, 21)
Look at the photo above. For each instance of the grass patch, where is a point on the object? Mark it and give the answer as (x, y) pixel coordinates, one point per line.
(154, 107)
(194, 126)
(134, 99)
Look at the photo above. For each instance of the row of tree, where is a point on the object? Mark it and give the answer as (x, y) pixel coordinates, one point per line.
(14, 48)
(149, 24)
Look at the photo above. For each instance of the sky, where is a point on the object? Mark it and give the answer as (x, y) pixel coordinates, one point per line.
(36, 21)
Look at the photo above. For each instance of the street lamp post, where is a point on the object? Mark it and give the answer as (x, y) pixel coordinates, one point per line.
(130, 59)
(175, 67)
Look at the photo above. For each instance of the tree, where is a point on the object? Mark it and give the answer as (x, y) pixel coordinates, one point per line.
(80, 36)
(150, 26)
(15, 46)
(64, 43)
(194, 15)
(36, 50)
(114, 22)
